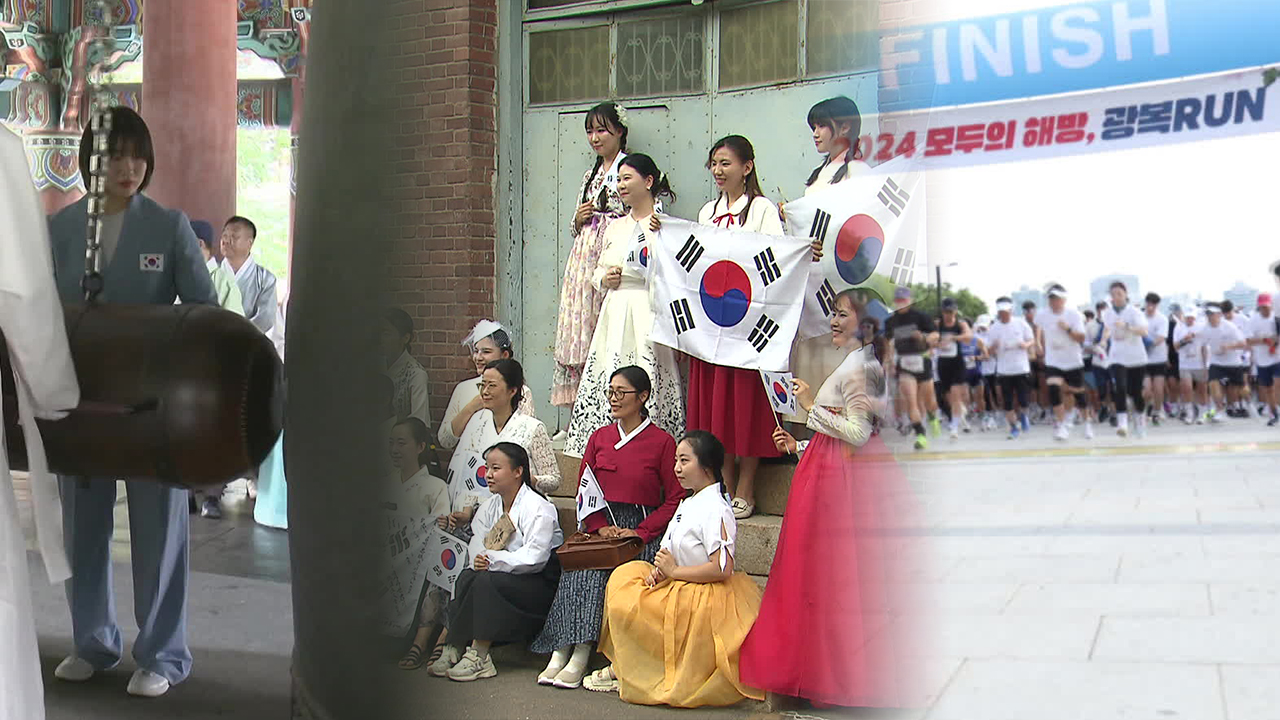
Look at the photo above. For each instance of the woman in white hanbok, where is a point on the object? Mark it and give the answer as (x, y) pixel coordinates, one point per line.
(626, 319)
(837, 126)
(497, 422)
(45, 382)
(487, 342)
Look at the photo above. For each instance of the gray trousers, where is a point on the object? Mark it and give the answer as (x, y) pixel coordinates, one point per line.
(159, 542)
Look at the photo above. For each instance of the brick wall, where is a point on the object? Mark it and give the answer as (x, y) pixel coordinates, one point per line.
(443, 248)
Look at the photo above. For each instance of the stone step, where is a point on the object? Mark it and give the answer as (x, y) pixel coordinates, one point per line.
(773, 483)
(757, 537)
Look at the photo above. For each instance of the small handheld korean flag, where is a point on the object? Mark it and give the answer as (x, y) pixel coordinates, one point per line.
(727, 297)
(778, 387)
(448, 557)
(638, 256)
(590, 496)
(872, 228)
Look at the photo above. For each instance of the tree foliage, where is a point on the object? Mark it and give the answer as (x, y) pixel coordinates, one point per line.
(925, 299)
(263, 165)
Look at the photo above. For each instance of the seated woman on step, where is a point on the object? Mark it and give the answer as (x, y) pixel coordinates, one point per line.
(505, 594)
(634, 462)
(487, 342)
(673, 631)
(499, 419)
(417, 494)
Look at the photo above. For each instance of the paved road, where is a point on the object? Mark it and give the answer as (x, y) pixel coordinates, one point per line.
(1112, 579)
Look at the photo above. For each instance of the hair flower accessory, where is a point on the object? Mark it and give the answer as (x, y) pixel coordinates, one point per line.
(622, 114)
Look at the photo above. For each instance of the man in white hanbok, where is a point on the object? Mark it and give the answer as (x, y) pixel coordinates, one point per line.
(32, 323)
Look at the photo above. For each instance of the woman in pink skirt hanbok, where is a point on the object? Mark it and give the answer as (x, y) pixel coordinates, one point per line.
(833, 625)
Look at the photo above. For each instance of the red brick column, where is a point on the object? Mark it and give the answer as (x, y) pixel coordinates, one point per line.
(189, 82)
(443, 252)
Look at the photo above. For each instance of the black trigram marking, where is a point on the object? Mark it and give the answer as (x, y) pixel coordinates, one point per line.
(583, 483)
(472, 462)
(682, 316)
(690, 254)
(448, 479)
(762, 333)
(818, 231)
(592, 501)
(903, 265)
(767, 266)
(893, 197)
(826, 298)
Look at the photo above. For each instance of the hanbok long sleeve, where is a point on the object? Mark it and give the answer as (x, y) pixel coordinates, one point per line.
(846, 389)
(32, 322)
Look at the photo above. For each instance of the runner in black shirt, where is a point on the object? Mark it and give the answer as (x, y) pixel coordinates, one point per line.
(912, 334)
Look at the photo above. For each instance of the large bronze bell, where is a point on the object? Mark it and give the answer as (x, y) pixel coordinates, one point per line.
(189, 395)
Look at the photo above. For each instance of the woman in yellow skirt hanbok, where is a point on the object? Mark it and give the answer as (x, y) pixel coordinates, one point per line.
(673, 630)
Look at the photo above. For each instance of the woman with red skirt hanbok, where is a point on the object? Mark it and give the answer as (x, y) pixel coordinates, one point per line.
(833, 623)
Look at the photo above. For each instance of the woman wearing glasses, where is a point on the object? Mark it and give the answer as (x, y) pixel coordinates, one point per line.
(634, 462)
(497, 421)
(487, 342)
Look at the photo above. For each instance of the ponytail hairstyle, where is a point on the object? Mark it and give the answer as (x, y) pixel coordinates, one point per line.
(639, 379)
(418, 430)
(606, 114)
(741, 148)
(519, 458)
(647, 168)
(513, 375)
(710, 453)
(831, 113)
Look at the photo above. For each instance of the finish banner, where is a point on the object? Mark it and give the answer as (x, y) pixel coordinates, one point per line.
(1126, 118)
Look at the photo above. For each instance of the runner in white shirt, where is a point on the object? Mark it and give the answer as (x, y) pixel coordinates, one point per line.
(1157, 354)
(1193, 372)
(987, 369)
(1092, 368)
(1011, 339)
(1263, 329)
(1226, 367)
(1060, 334)
(1125, 327)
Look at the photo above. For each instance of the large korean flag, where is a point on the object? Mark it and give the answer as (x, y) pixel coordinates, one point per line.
(448, 557)
(407, 539)
(468, 480)
(873, 232)
(727, 297)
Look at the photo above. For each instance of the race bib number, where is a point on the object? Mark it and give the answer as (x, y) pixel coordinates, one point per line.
(912, 363)
(970, 362)
(948, 349)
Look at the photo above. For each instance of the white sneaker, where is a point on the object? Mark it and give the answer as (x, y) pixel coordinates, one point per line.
(1122, 425)
(1088, 429)
(560, 436)
(73, 669)
(1061, 433)
(1140, 427)
(443, 664)
(471, 668)
(955, 433)
(145, 683)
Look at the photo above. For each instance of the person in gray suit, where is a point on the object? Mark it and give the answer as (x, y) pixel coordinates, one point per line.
(150, 255)
(257, 284)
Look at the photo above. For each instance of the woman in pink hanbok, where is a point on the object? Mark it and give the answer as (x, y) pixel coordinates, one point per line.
(598, 205)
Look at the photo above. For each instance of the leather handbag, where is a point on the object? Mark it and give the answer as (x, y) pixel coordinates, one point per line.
(582, 551)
